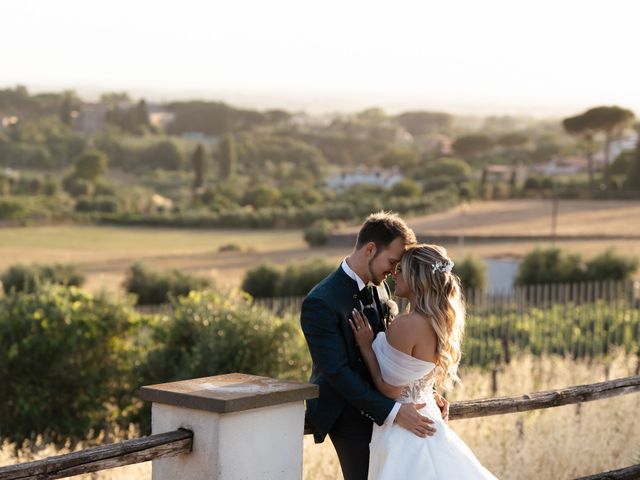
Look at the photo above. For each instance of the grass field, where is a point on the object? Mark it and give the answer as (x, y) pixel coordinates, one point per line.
(105, 253)
(533, 217)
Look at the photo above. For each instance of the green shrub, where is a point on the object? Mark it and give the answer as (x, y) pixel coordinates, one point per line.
(25, 155)
(406, 188)
(11, 209)
(447, 169)
(29, 278)
(154, 288)
(65, 364)
(296, 280)
(472, 273)
(90, 165)
(165, 154)
(550, 265)
(229, 247)
(318, 233)
(611, 266)
(262, 281)
(78, 187)
(97, 204)
(212, 333)
(299, 278)
(555, 266)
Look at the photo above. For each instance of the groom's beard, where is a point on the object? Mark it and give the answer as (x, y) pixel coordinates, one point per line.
(372, 278)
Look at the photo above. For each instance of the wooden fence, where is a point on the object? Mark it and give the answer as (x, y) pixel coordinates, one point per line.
(179, 442)
(580, 320)
(103, 457)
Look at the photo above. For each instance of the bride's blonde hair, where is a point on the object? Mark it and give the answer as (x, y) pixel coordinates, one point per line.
(438, 296)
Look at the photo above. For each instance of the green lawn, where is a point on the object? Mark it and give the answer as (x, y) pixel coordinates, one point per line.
(105, 253)
(109, 239)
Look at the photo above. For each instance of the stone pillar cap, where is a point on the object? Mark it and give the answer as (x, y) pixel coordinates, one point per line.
(232, 392)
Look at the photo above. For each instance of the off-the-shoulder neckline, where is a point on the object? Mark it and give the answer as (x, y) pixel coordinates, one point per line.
(403, 353)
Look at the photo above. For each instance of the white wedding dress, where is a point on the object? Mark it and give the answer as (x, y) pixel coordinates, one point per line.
(396, 453)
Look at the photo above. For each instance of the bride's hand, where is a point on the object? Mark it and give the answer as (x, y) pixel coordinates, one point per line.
(362, 330)
(443, 405)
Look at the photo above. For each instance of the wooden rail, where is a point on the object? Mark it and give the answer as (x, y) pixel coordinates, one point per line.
(103, 457)
(181, 441)
(548, 399)
(539, 400)
(628, 473)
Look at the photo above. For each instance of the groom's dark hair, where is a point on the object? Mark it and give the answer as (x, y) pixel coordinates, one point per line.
(382, 228)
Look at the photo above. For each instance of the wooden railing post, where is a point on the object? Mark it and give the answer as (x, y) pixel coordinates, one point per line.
(243, 426)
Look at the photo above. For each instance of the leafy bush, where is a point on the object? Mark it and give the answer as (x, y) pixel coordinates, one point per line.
(611, 266)
(555, 266)
(448, 169)
(153, 288)
(212, 333)
(165, 154)
(33, 185)
(538, 183)
(90, 165)
(472, 273)
(97, 204)
(78, 187)
(262, 281)
(296, 281)
(29, 278)
(550, 265)
(11, 209)
(406, 188)
(299, 278)
(64, 364)
(25, 155)
(230, 247)
(318, 233)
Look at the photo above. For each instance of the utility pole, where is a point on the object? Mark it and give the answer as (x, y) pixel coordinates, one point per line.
(554, 216)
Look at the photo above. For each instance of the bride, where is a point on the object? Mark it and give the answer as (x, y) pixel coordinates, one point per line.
(419, 352)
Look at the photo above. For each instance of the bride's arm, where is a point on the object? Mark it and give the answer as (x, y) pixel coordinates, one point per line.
(364, 337)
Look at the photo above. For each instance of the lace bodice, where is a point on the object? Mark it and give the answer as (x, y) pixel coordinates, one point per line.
(419, 391)
(397, 368)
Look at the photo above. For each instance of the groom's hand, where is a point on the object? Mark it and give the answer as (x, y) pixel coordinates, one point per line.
(409, 418)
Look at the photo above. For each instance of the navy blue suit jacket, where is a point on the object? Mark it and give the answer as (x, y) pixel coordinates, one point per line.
(338, 368)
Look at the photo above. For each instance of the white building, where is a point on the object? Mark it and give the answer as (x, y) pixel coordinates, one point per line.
(561, 166)
(378, 177)
(199, 137)
(502, 271)
(625, 143)
(159, 117)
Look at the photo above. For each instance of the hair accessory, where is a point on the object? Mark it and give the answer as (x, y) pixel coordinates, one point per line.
(442, 266)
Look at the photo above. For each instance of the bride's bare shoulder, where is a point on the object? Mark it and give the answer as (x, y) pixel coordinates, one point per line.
(405, 330)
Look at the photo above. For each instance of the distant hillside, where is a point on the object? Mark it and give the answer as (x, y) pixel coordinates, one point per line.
(533, 217)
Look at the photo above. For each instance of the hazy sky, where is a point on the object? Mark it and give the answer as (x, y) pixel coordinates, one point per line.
(477, 56)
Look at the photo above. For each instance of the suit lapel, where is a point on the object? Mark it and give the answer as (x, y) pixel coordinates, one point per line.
(347, 298)
(351, 300)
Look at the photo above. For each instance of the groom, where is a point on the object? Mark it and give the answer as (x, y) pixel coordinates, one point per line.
(349, 403)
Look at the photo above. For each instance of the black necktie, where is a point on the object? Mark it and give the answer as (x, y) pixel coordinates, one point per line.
(370, 310)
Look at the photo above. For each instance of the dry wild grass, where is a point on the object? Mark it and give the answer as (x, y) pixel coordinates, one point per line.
(555, 444)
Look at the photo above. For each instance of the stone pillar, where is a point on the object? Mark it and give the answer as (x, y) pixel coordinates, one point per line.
(244, 427)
